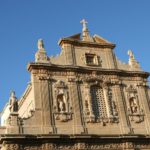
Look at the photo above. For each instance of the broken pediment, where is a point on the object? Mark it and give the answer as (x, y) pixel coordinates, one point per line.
(75, 36)
(99, 39)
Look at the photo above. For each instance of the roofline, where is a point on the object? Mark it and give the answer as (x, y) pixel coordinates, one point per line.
(85, 43)
(25, 94)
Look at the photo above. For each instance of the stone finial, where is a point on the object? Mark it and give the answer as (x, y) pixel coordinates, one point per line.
(41, 55)
(13, 103)
(134, 64)
(85, 32)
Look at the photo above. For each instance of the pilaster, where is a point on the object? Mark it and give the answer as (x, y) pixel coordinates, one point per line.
(120, 99)
(76, 97)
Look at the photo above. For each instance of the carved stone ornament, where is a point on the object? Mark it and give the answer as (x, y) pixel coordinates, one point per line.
(41, 55)
(80, 146)
(11, 147)
(135, 112)
(94, 103)
(62, 106)
(132, 61)
(85, 32)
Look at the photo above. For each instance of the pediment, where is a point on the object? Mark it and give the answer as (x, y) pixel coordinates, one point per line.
(99, 39)
(75, 36)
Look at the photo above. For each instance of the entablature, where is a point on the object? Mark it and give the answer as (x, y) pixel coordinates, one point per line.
(51, 69)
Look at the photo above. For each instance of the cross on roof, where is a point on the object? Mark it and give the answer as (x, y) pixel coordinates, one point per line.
(84, 23)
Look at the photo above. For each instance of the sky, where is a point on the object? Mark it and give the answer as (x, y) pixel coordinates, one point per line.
(22, 22)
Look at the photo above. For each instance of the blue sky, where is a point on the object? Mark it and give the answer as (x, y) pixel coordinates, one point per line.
(22, 22)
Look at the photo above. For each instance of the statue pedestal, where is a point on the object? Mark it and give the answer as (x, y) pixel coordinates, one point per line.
(12, 126)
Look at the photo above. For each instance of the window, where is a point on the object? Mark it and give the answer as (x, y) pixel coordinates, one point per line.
(90, 59)
(98, 102)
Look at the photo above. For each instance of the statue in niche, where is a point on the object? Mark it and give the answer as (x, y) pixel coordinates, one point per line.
(133, 105)
(133, 101)
(135, 112)
(62, 108)
(13, 103)
(61, 102)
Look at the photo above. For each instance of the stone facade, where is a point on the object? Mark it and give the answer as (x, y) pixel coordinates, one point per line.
(85, 98)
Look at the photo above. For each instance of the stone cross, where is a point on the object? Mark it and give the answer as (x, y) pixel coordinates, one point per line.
(84, 23)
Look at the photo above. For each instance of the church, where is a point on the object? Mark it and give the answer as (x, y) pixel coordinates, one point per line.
(83, 99)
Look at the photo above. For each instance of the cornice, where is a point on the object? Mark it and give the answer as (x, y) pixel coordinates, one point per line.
(80, 69)
(74, 136)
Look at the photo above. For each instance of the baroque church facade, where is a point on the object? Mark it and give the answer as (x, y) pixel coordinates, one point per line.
(83, 99)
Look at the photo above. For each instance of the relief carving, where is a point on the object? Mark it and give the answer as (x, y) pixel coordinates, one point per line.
(99, 105)
(47, 146)
(80, 146)
(88, 105)
(62, 106)
(113, 112)
(11, 147)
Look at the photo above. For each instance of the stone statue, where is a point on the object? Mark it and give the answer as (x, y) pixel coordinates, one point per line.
(40, 44)
(131, 55)
(132, 61)
(61, 103)
(62, 106)
(13, 103)
(133, 105)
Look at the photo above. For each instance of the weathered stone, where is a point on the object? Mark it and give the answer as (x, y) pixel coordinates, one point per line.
(83, 99)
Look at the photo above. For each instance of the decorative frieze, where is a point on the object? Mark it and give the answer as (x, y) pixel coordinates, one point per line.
(80, 146)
